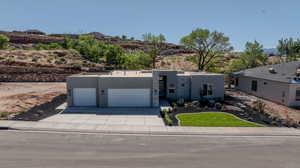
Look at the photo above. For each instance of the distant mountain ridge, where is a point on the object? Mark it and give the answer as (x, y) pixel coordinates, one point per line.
(271, 51)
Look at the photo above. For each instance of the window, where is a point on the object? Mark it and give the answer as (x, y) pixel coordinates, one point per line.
(254, 85)
(171, 90)
(237, 82)
(298, 94)
(207, 90)
(182, 85)
(265, 83)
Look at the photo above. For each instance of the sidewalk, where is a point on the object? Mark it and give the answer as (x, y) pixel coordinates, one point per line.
(152, 130)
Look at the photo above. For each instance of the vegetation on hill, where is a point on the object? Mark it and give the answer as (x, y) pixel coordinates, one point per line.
(202, 49)
(3, 41)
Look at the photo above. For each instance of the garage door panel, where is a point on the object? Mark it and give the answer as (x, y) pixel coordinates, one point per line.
(129, 97)
(84, 97)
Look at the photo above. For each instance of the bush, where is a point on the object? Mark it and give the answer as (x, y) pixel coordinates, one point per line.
(34, 59)
(3, 42)
(167, 118)
(218, 106)
(174, 106)
(113, 54)
(4, 115)
(133, 61)
(41, 47)
(259, 106)
(54, 46)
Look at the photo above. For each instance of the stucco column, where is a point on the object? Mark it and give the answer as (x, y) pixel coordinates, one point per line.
(155, 89)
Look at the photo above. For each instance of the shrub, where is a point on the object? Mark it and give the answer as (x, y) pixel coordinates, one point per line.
(113, 54)
(34, 59)
(174, 106)
(138, 60)
(218, 106)
(49, 60)
(167, 118)
(3, 41)
(206, 108)
(54, 46)
(4, 115)
(41, 47)
(259, 106)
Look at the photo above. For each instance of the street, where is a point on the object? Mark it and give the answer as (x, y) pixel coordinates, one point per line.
(75, 150)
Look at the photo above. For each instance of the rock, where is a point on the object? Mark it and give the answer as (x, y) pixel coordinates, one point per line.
(195, 103)
(180, 101)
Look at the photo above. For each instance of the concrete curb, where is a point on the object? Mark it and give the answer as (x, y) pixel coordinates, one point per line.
(179, 131)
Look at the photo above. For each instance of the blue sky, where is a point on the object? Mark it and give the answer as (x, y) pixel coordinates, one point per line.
(242, 20)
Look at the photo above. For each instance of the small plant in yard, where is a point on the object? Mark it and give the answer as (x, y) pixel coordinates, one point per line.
(174, 106)
(259, 106)
(3, 115)
(218, 106)
(206, 108)
(167, 117)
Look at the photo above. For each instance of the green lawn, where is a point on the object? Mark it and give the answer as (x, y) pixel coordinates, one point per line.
(213, 119)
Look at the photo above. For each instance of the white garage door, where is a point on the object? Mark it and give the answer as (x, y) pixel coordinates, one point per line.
(84, 96)
(128, 97)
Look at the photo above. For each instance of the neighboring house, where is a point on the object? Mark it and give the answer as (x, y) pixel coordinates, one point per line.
(279, 83)
(142, 88)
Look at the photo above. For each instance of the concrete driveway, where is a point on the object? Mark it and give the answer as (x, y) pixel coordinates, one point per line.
(109, 116)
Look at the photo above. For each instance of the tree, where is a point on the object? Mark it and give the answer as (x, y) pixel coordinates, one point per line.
(253, 56)
(207, 45)
(3, 41)
(113, 54)
(156, 44)
(124, 37)
(134, 61)
(89, 48)
(54, 46)
(288, 48)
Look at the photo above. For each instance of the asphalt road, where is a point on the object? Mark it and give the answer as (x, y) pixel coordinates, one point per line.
(73, 150)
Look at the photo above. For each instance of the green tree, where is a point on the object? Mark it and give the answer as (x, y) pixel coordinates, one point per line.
(155, 45)
(289, 49)
(208, 45)
(89, 48)
(124, 37)
(135, 61)
(113, 55)
(3, 41)
(253, 56)
(68, 43)
(41, 47)
(54, 46)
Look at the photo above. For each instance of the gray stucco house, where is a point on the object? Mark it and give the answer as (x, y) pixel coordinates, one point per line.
(141, 88)
(279, 83)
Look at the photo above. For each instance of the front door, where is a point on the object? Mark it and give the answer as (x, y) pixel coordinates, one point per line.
(162, 86)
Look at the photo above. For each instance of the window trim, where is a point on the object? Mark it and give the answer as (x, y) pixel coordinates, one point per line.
(237, 81)
(208, 85)
(297, 98)
(254, 87)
